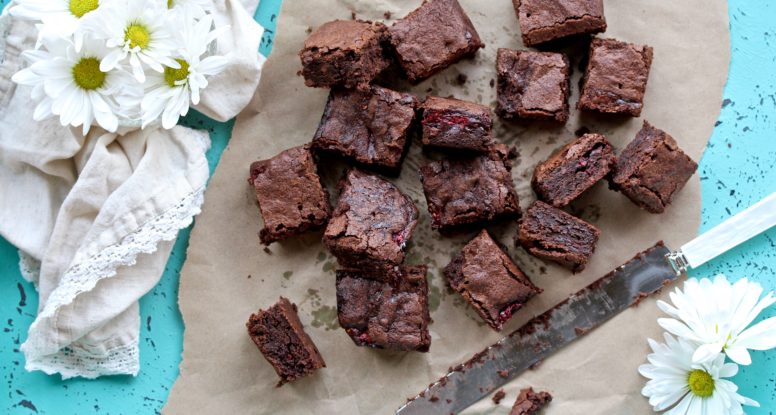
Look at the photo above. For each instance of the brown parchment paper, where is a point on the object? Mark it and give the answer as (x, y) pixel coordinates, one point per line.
(228, 275)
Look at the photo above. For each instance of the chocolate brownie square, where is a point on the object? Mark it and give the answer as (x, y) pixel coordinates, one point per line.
(282, 340)
(489, 280)
(529, 402)
(388, 311)
(652, 169)
(542, 21)
(616, 77)
(291, 198)
(455, 124)
(432, 37)
(372, 223)
(347, 53)
(549, 233)
(468, 190)
(532, 85)
(574, 168)
(371, 127)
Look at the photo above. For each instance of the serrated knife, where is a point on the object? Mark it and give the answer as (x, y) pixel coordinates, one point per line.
(583, 311)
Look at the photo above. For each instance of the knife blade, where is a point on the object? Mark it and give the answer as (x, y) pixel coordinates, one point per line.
(581, 312)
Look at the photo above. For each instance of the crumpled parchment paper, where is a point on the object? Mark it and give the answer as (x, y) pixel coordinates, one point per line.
(228, 275)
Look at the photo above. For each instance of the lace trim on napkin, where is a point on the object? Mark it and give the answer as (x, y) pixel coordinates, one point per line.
(122, 360)
(84, 276)
(29, 267)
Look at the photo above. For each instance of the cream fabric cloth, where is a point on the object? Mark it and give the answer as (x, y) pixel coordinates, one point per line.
(95, 217)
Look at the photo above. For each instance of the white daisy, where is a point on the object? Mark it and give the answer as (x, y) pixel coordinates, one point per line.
(60, 17)
(134, 29)
(716, 317)
(69, 84)
(689, 388)
(170, 94)
(196, 8)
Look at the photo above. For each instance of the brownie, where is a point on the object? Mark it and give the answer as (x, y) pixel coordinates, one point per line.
(455, 124)
(532, 85)
(432, 37)
(542, 21)
(552, 234)
(489, 280)
(388, 311)
(347, 53)
(652, 169)
(529, 402)
(282, 340)
(372, 223)
(469, 190)
(371, 127)
(616, 77)
(290, 195)
(574, 168)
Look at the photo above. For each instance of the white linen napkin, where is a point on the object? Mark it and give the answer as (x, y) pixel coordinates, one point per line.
(95, 217)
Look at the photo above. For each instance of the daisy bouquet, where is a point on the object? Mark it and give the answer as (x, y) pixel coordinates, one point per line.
(112, 63)
(712, 321)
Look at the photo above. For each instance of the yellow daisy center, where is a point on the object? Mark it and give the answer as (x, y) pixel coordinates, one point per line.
(80, 7)
(137, 35)
(87, 74)
(170, 4)
(701, 383)
(172, 75)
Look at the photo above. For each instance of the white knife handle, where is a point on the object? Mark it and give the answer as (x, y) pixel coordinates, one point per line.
(733, 231)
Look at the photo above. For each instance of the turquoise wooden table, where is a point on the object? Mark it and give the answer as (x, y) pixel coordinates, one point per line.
(737, 170)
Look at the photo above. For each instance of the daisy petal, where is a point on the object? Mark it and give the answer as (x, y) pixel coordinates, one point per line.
(739, 355)
(111, 60)
(706, 353)
(761, 336)
(675, 327)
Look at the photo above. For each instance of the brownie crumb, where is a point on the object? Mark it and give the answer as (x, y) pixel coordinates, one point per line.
(492, 83)
(352, 15)
(529, 402)
(387, 15)
(640, 297)
(308, 30)
(581, 331)
(433, 398)
(498, 396)
(503, 373)
(462, 79)
(582, 131)
(267, 251)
